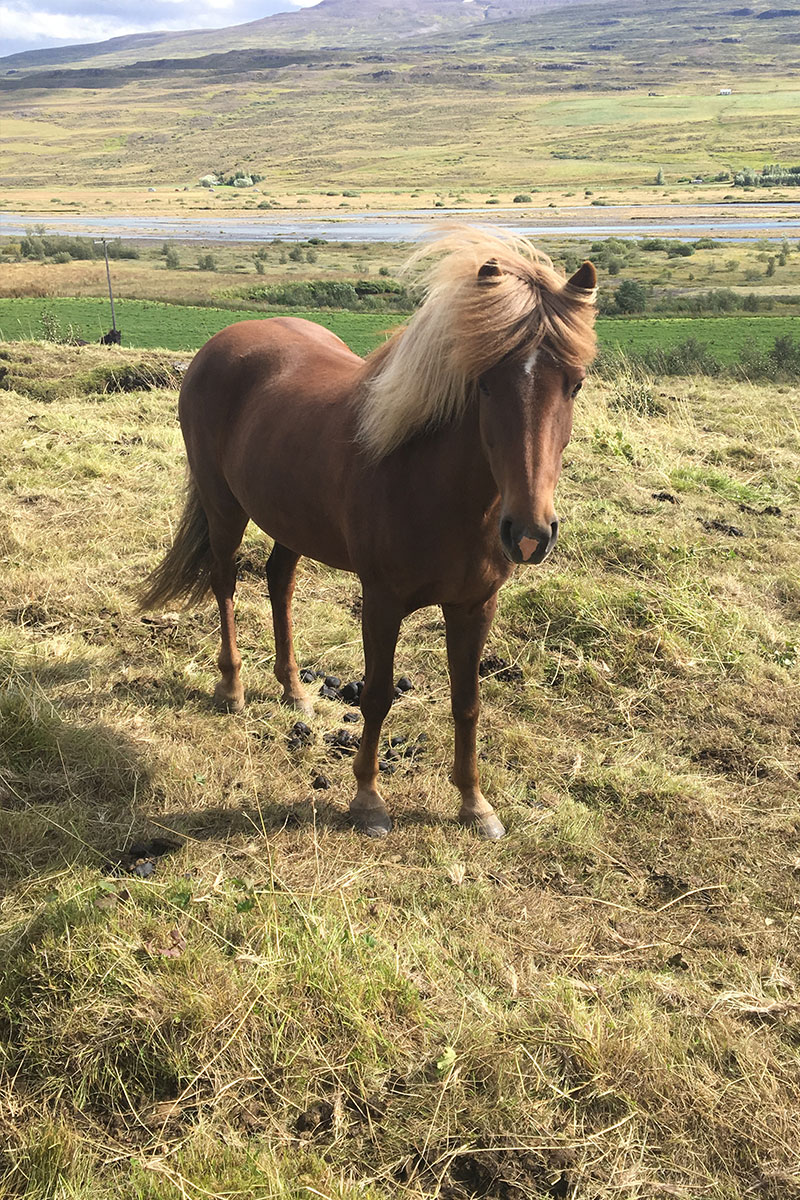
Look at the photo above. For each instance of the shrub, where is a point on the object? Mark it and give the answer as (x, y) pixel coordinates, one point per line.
(207, 262)
(652, 244)
(523, 198)
(52, 330)
(334, 293)
(171, 259)
(679, 249)
(630, 297)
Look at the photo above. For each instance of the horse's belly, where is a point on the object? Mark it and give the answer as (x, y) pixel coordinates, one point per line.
(298, 510)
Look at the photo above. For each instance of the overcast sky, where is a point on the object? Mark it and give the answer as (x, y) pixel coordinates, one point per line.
(33, 24)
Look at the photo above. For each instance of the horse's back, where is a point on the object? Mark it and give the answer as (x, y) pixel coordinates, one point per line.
(269, 346)
(267, 417)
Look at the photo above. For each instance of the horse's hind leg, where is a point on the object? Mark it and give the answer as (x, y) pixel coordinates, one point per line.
(281, 572)
(225, 536)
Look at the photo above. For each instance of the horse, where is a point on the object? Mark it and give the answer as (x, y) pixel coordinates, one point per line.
(428, 469)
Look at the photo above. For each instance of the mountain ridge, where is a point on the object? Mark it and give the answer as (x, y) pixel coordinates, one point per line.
(329, 25)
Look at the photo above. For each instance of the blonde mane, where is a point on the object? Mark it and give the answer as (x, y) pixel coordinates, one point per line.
(427, 373)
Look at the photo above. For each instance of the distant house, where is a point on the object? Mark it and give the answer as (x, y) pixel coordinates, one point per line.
(725, 91)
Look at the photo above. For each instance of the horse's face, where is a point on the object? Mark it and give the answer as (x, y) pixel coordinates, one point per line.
(526, 421)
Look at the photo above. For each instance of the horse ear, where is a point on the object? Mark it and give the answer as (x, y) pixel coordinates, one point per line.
(490, 270)
(584, 278)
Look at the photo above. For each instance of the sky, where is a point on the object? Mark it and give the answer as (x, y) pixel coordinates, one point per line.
(35, 24)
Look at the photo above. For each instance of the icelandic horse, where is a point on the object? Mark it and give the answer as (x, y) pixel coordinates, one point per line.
(428, 469)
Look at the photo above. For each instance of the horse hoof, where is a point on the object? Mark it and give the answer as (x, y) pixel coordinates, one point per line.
(228, 704)
(372, 822)
(300, 704)
(488, 826)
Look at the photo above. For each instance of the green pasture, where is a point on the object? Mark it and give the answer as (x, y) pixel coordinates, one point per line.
(147, 325)
(726, 337)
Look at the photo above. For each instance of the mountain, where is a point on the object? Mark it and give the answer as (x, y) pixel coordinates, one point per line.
(332, 24)
(433, 94)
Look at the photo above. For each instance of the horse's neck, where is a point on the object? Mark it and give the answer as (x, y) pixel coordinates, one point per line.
(462, 443)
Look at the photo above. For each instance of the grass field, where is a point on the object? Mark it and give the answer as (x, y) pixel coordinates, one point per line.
(182, 327)
(173, 327)
(605, 1006)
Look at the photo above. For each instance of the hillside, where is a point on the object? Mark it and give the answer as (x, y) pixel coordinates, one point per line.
(567, 95)
(329, 24)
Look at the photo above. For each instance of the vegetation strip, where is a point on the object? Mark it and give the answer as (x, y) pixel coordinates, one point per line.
(697, 343)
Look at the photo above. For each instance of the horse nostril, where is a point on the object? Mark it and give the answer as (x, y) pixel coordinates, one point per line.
(553, 532)
(505, 534)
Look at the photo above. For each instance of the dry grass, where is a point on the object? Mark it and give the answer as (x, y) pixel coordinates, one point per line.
(605, 1005)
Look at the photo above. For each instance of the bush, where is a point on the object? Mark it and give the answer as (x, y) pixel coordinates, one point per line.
(51, 329)
(652, 244)
(171, 259)
(207, 262)
(334, 293)
(523, 198)
(630, 297)
(636, 393)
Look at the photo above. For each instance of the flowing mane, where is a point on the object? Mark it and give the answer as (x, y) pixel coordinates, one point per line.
(427, 373)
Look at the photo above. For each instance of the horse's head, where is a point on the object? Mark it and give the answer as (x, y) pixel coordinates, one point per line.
(526, 404)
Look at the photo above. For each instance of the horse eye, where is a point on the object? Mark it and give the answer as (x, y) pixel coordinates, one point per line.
(576, 389)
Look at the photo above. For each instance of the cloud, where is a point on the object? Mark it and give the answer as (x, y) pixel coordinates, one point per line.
(36, 24)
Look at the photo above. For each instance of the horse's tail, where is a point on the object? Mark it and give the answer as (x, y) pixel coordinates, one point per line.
(185, 571)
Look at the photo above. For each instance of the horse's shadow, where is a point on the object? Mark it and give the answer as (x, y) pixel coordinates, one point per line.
(74, 794)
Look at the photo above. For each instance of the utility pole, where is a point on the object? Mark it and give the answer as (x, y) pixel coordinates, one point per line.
(102, 242)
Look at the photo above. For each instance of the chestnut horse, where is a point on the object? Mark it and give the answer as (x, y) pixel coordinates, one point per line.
(428, 469)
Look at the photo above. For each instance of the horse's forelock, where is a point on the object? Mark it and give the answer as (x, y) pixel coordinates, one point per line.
(471, 318)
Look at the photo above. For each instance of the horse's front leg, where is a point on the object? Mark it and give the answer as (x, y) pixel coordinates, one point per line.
(467, 630)
(380, 623)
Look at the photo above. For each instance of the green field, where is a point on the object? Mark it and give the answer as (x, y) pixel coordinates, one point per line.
(149, 325)
(146, 324)
(725, 337)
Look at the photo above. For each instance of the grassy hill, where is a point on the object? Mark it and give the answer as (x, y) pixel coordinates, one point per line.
(212, 988)
(573, 95)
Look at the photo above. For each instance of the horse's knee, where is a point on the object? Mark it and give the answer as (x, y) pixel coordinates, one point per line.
(375, 705)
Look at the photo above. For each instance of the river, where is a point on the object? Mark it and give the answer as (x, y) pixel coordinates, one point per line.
(725, 222)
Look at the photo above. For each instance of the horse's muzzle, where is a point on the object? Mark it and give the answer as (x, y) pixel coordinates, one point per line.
(525, 544)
